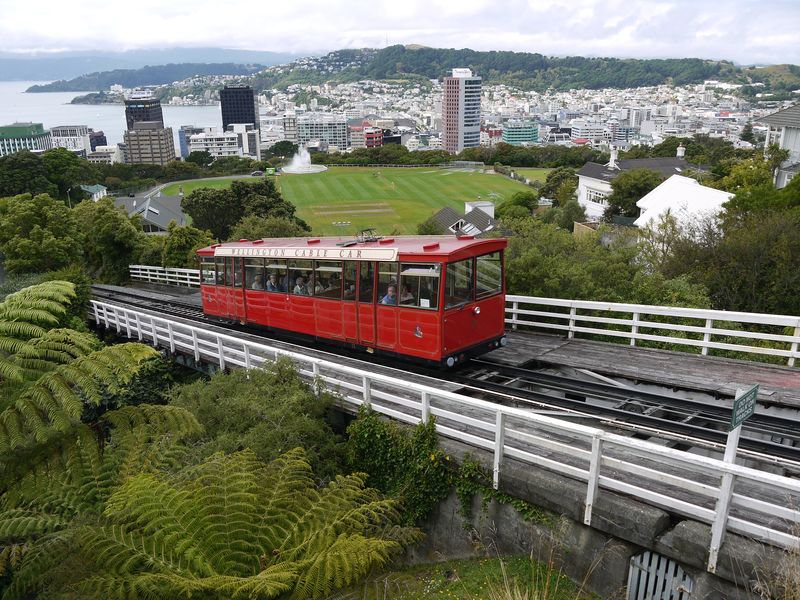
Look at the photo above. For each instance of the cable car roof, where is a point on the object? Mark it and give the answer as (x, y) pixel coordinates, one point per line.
(441, 248)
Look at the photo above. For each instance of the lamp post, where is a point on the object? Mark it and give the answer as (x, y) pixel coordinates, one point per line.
(69, 200)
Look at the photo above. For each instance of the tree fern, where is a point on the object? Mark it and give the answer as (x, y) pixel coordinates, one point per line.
(218, 530)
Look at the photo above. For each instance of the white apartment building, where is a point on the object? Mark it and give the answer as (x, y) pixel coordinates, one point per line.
(107, 154)
(461, 111)
(248, 139)
(589, 130)
(219, 144)
(322, 127)
(71, 137)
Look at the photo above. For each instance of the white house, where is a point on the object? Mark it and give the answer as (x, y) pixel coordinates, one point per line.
(783, 128)
(594, 179)
(96, 191)
(684, 198)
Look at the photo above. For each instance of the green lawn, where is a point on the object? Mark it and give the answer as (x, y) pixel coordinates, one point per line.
(190, 186)
(533, 174)
(343, 200)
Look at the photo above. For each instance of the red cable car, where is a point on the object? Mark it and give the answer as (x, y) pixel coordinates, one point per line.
(434, 299)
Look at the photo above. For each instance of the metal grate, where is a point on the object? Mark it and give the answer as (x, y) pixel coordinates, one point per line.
(655, 577)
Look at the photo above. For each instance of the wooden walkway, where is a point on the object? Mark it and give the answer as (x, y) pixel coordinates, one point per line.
(779, 385)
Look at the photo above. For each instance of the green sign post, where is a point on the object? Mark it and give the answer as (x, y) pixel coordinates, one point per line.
(744, 405)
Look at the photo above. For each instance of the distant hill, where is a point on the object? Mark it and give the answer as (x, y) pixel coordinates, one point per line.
(524, 70)
(67, 65)
(539, 72)
(150, 75)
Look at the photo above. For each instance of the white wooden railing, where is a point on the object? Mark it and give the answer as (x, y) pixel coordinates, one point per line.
(711, 329)
(170, 276)
(762, 505)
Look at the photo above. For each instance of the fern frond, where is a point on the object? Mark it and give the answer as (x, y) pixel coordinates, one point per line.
(56, 399)
(20, 524)
(346, 561)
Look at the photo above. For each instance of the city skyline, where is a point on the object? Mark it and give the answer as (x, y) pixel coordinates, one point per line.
(746, 31)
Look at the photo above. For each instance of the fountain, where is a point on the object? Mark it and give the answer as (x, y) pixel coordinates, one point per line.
(301, 164)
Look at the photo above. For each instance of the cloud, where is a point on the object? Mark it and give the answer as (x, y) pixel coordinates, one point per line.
(745, 31)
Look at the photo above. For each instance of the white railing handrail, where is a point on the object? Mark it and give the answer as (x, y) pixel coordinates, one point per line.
(712, 333)
(671, 311)
(574, 322)
(390, 396)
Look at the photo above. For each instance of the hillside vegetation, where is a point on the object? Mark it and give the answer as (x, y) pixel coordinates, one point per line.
(150, 75)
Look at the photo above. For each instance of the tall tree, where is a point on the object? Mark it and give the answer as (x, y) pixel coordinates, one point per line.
(67, 171)
(111, 240)
(181, 244)
(254, 227)
(555, 179)
(627, 189)
(215, 210)
(38, 233)
(747, 134)
(24, 173)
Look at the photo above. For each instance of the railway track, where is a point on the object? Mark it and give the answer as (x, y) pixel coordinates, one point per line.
(681, 422)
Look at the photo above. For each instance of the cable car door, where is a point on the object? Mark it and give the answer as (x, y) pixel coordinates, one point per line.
(366, 304)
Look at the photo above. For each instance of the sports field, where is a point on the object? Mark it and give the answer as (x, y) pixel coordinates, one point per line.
(343, 200)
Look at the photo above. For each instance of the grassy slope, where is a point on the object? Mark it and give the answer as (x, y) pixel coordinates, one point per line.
(190, 186)
(533, 174)
(391, 200)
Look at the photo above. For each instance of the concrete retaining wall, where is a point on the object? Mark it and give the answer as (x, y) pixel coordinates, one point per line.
(598, 555)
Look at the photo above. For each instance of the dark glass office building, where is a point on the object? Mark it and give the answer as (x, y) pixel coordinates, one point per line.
(143, 110)
(239, 105)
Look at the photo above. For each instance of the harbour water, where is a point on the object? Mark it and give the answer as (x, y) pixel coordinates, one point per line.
(53, 109)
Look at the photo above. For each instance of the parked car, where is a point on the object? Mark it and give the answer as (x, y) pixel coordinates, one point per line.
(257, 174)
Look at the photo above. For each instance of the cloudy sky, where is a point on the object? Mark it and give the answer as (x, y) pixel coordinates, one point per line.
(746, 31)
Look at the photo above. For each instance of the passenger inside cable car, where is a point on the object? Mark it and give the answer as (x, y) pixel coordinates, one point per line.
(390, 297)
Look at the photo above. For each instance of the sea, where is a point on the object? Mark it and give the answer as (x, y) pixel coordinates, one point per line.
(54, 109)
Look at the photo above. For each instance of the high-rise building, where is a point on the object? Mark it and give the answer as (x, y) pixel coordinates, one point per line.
(24, 136)
(97, 138)
(239, 105)
(518, 132)
(143, 108)
(325, 128)
(461, 111)
(149, 143)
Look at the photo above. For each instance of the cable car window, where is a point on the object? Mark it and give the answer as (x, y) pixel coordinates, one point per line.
(366, 285)
(349, 280)
(300, 275)
(328, 279)
(387, 283)
(419, 285)
(459, 283)
(234, 267)
(208, 270)
(220, 271)
(489, 275)
(254, 273)
(277, 279)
